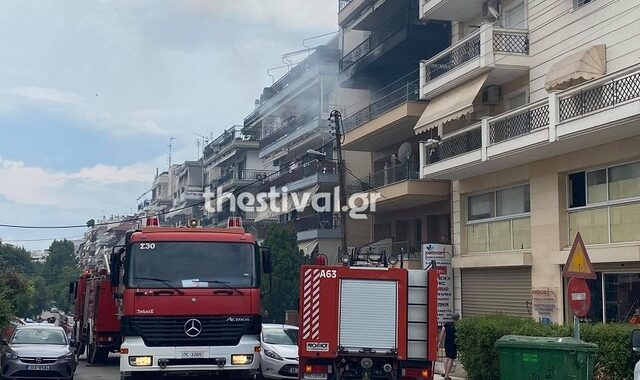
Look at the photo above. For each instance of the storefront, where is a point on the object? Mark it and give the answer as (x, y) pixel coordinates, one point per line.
(615, 293)
(496, 290)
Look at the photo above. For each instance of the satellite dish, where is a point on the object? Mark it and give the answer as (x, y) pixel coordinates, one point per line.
(404, 152)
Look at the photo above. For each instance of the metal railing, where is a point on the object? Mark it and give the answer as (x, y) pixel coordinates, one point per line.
(460, 143)
(371, 254)
(464, 51)
(241, 175)
(592, 99)
(388, 176)
(232, 134)
(319, 221)
(299, 172)
(395, 24)
(395, 98)
(527, 119)
(509, 41)
(502, 41)
(289, 125)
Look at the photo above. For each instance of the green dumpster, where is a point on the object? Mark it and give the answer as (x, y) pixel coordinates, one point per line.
(529, 357)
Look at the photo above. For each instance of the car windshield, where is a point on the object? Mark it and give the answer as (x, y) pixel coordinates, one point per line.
(192, 265)
(39, 336)
(279, 335)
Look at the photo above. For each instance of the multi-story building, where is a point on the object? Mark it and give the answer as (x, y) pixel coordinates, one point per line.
(187, 198)
(382, 45)
(534, 115)
(292, 116)
(231, 165)
(161, 200)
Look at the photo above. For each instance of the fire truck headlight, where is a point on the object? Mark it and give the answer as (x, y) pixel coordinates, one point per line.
(241, 359)
(366, 363)
(140, 361)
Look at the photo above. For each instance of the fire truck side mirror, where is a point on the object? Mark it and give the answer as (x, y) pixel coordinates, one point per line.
(266, 259)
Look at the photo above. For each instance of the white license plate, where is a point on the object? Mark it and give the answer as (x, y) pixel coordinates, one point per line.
(315, 376)
(192, 354)
(38, 367)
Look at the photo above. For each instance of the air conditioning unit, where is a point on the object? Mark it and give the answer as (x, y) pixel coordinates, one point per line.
(490, 10)
(491, 95)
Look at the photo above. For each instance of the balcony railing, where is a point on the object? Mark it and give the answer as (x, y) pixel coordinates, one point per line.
(606, 95)
(398, 96)
(408, 250)
(319, 221)
(289, 126)
(527, 119)
(394, 174)
(507, 41)
(227, 137)
(299, 172)
(460, 143)
(241, 175)
(395, 24)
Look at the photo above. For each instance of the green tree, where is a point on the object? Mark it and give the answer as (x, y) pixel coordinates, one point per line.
(60, 269)
(286, 260)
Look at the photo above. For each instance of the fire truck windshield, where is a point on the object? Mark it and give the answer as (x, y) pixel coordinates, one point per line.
(191, 265)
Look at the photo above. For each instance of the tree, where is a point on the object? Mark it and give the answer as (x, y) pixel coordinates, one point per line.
(286, 260)
(61, 268)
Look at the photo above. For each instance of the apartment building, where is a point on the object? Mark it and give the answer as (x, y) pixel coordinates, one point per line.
(534, 115)
(187, 197)
(161, 191)
(231, 165)
(382, 45)
(292, 115)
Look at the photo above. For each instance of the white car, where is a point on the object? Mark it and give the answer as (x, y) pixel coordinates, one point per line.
(279, 354)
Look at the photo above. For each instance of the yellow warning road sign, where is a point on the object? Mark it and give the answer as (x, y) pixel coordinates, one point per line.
(578, 264)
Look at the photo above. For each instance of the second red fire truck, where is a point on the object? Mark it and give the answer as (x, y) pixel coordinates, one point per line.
(367, 323)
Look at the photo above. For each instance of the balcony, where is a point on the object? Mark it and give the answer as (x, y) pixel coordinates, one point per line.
(367, 14)
(388, 120)
(504, 52)
(235, 178)
(305, 175)
(399, 187)
(291, 130)
(233, 138)
(323, 225)
(378, 55)
(301, 77)
(452, 10)
(594, 113)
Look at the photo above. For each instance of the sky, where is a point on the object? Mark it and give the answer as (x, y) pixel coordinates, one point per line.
(91, 92)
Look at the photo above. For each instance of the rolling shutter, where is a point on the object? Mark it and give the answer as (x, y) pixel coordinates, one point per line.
(496, 290)
(368, 315)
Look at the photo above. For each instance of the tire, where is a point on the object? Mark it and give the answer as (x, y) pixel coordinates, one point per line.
(97, 355)
(81, 348)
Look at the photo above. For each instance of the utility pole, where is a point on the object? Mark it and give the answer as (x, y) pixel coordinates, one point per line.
(336, 117)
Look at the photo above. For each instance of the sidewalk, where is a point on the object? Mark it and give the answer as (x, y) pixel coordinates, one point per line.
(458, 372)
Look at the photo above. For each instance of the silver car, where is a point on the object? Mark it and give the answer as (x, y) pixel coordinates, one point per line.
(38, 351)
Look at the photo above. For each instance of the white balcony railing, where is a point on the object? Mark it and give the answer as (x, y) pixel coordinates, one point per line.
(554, 115)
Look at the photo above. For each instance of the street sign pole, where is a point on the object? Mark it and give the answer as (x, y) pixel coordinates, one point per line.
(576, 327)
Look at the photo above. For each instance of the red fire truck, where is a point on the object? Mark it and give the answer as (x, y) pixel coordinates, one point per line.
(367, 323)
(190, 301)
(96, 325)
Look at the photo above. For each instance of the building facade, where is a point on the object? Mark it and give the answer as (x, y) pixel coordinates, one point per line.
(534, 116)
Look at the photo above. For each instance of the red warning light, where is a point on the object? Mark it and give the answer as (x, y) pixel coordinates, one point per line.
(320, 260)
(152, 221)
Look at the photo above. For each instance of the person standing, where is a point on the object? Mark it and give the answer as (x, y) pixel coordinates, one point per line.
(448, 341)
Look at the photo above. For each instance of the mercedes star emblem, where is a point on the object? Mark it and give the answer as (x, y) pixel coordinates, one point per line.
(193, 328)
(38, 360)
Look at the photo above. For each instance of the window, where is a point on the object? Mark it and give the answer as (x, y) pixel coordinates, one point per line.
(498, 221)
(515, 16)
(621, 293)
(604, 204)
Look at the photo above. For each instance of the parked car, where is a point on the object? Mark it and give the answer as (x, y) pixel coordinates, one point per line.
(279, 354)
(37, 350)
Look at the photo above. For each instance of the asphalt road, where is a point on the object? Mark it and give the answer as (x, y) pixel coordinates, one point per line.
(110, 371)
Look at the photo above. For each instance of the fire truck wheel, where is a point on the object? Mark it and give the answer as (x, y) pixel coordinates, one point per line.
(81, 349)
